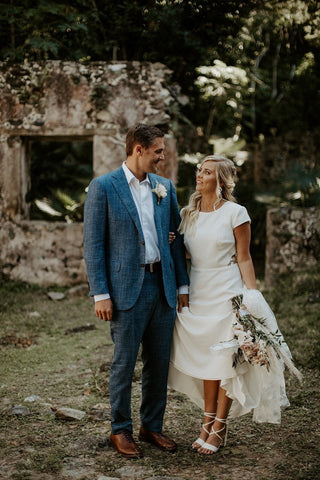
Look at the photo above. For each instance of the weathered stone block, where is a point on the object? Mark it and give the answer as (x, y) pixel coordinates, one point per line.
(293, 241)
(35, 252)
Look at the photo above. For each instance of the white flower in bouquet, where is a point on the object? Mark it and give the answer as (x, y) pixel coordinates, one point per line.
(251, 348)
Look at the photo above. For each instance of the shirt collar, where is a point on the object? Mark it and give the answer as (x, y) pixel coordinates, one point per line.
(130, 176)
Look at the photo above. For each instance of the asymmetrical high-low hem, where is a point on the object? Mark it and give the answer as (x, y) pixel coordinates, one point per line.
(203, 342)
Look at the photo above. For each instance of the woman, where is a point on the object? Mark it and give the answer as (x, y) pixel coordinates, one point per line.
(217, 237)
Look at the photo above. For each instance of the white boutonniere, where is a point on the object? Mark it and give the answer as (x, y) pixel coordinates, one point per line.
(160, 190)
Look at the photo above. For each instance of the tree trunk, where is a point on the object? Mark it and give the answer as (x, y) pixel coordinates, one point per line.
(254, 82)
(275, 72)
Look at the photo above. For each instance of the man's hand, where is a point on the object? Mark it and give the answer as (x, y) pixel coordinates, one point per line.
(103, 309)
(183, 301)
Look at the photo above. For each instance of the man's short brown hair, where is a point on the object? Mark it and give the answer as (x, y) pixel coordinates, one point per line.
(141, 134)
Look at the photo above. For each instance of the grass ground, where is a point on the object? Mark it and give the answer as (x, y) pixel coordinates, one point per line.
(47, 355)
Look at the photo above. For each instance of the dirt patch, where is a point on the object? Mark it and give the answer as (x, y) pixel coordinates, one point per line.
(19, 342)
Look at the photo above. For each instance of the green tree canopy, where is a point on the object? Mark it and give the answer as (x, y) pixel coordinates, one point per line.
(275, 43)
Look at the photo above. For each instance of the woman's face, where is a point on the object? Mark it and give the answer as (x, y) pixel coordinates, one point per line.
(206, 180)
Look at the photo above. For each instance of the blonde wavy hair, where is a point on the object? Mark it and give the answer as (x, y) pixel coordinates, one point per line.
(226, 174)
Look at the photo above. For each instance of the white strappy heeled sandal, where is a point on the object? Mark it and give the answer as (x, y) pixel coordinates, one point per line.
(199, 442)
(223, 440)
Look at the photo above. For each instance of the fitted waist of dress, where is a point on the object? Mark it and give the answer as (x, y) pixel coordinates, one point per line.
(217, 267)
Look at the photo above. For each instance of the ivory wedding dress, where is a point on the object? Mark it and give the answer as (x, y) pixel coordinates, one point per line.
(203, 341)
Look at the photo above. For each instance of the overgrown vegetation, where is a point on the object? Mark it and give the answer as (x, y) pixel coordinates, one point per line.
(250, 70)
(244, 65)
(72, 370)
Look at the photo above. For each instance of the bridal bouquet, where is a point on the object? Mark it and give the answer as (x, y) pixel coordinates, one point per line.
(257, 343)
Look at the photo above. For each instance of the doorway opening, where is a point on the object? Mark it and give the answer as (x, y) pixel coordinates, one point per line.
(58, 172)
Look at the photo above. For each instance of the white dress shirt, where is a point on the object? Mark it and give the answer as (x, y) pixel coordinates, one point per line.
(142, 196)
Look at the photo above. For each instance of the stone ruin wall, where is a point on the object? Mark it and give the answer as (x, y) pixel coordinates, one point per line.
(293, 240)
(69, 101)
(98, 102)
(293, 234)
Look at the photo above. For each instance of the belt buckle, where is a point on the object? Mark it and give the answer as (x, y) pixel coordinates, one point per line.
(151, 267)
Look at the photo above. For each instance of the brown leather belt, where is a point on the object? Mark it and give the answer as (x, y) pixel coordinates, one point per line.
(153, 267)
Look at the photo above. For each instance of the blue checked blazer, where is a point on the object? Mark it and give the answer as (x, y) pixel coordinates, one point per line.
(114, 247)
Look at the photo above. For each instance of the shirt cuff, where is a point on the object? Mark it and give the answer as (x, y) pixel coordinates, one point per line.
(184, 289)
(103, 296)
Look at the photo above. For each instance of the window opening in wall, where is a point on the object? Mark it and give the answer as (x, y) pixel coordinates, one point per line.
(60, 172)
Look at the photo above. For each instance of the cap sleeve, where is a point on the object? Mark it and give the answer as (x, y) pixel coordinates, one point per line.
(240, 216)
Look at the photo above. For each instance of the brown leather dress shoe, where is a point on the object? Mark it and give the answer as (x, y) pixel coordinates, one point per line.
(158, 439)
(125, 445)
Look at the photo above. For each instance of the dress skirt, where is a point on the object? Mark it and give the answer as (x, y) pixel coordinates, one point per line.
(203, 347)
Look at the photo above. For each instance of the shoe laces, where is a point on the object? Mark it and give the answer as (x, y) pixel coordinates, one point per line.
(128, 436)
(204, 425)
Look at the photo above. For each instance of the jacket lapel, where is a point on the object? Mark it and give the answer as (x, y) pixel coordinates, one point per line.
(120, 184)
(156, 209)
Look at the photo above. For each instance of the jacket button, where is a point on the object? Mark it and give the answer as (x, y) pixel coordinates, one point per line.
(142, 243)
(142, 265)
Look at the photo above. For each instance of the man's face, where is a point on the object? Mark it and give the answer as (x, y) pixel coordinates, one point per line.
(150, 157)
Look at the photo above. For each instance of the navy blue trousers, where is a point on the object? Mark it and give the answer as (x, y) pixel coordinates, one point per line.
(150, 323)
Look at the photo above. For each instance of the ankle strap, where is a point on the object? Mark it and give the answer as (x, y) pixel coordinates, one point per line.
(210, 415)
(216, 432)
(221, 420)
(204, 425)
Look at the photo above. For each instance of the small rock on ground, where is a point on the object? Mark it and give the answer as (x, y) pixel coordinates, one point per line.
(19, 410)
(56, 295)
(66, 413)
(33, 399)
(34, 314)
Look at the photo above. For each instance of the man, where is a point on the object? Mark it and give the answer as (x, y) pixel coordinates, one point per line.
(133, 274)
